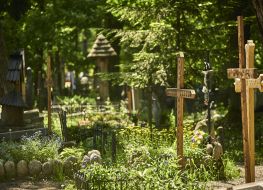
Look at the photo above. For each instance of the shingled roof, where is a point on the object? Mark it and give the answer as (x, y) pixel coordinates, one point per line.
(14, 68)
(102, 48)
(13, 98)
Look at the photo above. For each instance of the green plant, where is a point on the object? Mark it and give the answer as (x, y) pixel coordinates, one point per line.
(29, 148)
(77, 152)
(231, 171)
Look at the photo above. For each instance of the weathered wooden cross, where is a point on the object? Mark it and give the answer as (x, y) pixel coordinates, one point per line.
(180, 94)
(245, 83)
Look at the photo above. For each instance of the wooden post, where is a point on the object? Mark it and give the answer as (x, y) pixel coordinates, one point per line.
(180, 93)
(133, 100)
(49, 85)
(243, 94)
(250, 47)
(103, 84)
(129, 98)
(23, 71)
(180, 109)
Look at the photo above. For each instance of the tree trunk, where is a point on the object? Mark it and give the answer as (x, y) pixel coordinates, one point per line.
(3, 63)
(258, 6)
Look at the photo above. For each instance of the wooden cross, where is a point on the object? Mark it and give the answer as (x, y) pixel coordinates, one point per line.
(245, 82)
(180, 93)
(49, 86)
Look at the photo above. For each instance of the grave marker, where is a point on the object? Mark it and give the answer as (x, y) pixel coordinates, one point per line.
(180, 94)
(245, 84)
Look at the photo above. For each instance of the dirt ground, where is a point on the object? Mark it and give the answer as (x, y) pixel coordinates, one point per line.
(30, 185)
(227, 184)
(50, 185)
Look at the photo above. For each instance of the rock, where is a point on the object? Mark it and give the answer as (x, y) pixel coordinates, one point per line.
(217, 151)
(34, 167)
(10, 169)
(47, 169)
(2, 169)
(95, 158)
(92, 157)
(68, 168)
(85, 161)
(209, 149)
(73, 159)
(57, 167)
(22, 169)
(93, 152)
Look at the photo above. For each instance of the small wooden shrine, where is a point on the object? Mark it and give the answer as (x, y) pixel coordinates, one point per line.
(13, 103)
(102, 50)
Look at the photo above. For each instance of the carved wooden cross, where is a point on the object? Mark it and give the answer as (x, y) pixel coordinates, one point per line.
(245, 82)
(180, 93)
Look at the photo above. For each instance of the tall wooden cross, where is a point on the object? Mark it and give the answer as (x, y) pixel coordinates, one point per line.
(245, 82)
(180, 94)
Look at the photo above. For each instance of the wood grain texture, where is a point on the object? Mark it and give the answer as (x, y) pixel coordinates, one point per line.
(243, 96)
(250, 47)
(180, 110)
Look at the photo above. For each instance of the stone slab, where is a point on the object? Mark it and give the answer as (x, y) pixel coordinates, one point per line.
(249, 186)
(29, 114)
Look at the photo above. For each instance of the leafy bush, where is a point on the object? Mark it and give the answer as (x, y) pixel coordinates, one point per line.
(29, 148)
(75, 100)
(77, 152)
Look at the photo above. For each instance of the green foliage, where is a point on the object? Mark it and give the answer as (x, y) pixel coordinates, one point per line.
(30, 148)
(75, 100)
(231, 171)
(77, 152)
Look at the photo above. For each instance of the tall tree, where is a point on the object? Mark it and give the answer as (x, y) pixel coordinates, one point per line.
(258, 6)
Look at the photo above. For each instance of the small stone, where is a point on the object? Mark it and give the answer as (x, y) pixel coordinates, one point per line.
(73, 159)
(209, 149)
(47, 169)
(85, 161)
(95, 158)
(217, 151)
(34, 167)
(22, 169)
(57, 166)
(68, 168)
(10, 169)
(93, 152)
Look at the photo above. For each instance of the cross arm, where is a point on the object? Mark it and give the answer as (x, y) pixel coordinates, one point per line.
(184, 93)
(250, 83)
(241, 73)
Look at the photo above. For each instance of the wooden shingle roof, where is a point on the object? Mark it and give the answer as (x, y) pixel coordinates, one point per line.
(102, 48)
(13, 98)
(14, 68)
